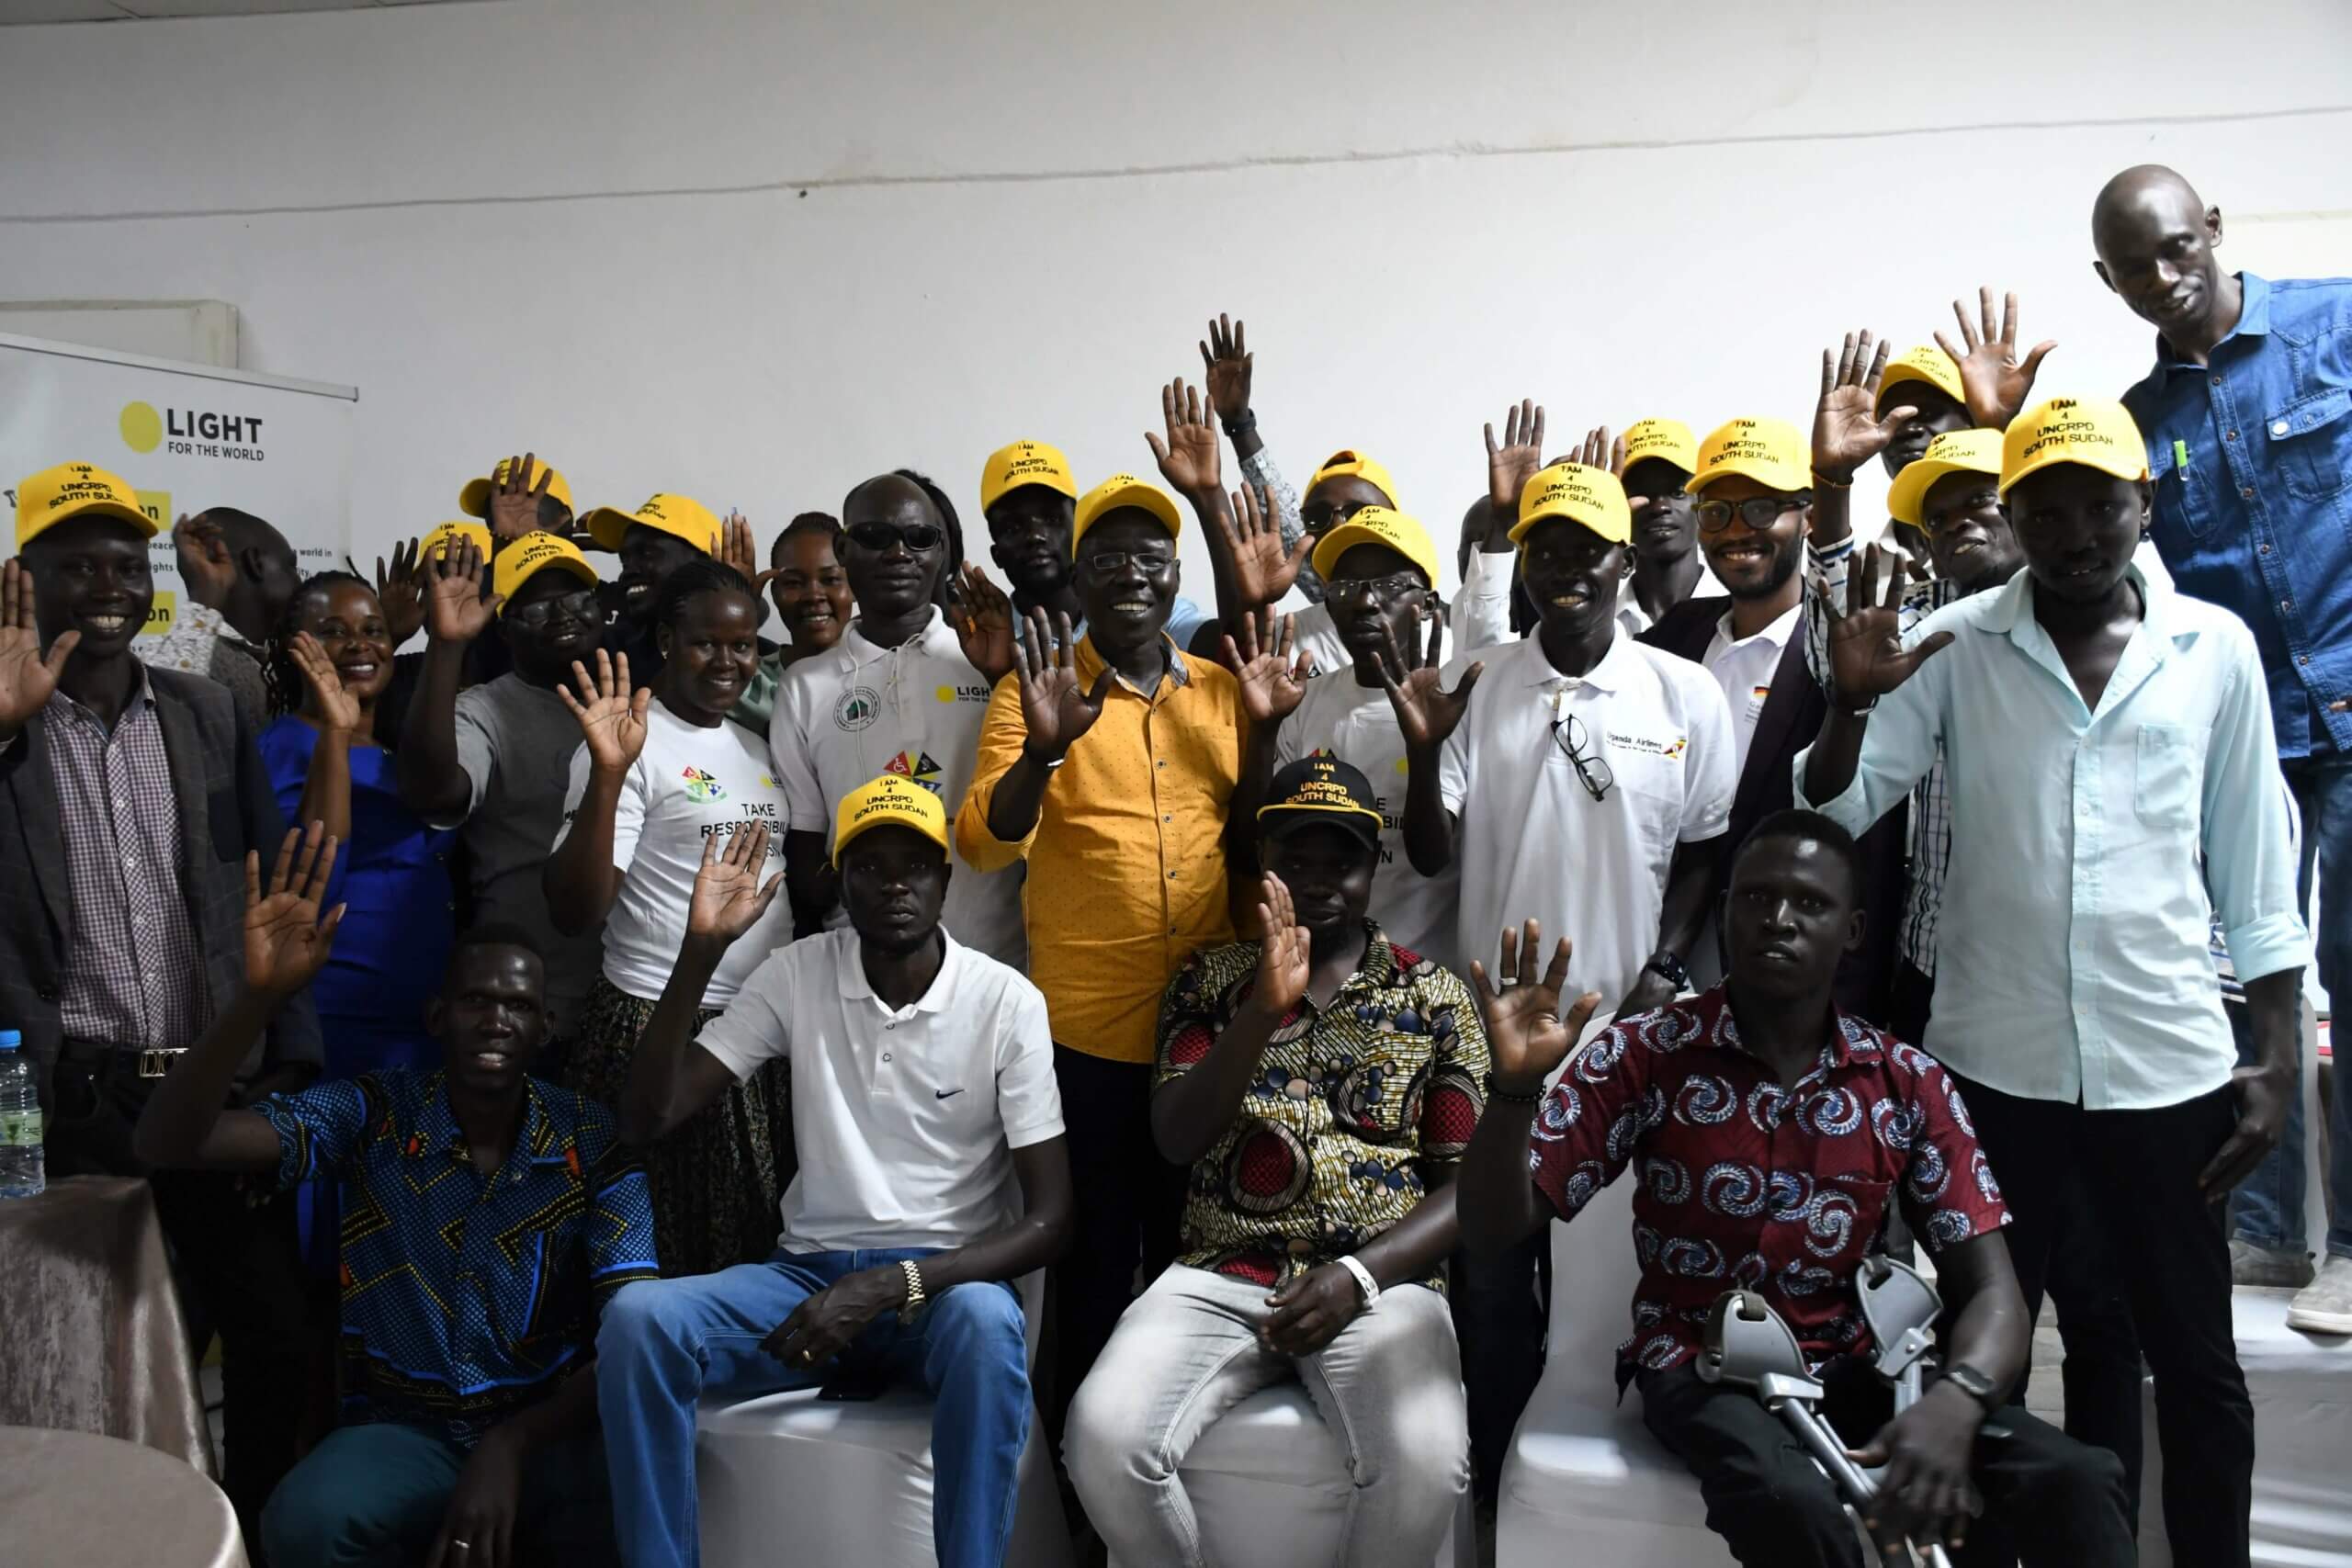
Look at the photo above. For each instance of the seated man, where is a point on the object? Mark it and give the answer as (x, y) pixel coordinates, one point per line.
(933, 1175)
(1769, 1130)
(487, 1217)
(1321, 1084)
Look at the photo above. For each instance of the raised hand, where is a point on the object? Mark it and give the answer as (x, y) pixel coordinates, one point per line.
(1426, 711)
(400, 589)
(1283, 953)
(338, 709)
(1527, 1036)
(1188, 460)
(1602, 451)
(729, 899)
(514, 502)
(455, 610)
(1993, 380)
(1056, 708)
(1263, 566)
(612, 719)
(1510, 464)
(738, 550)
(1225, 362)
(1867, 659)
(206, 565)
(1273, 682)
(286, 942)
(26, 678)
(1847, 430)
(983, 616)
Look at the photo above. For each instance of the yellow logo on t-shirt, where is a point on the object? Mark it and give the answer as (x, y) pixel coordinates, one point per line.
(701, 787)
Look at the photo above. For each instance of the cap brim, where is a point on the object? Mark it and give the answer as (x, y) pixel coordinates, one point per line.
(1346, 536)
(579, 568)
(1896, 376)
(1142, 498)
(936, 833)
(113, 510)
(2057, 456)
(1907, 498)
(474, 499)
(605, 525)
(1771, 479)
(1279, 819)
(1061, 487)
(1526, 525)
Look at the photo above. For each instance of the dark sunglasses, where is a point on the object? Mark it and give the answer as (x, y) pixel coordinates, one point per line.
(580, 606)
(879, 537)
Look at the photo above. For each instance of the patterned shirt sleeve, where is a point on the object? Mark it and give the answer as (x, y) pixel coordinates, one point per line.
(188, 647)
(1189, 1021)
(1456, 1094)
(621, 1228)
(1587, 1128)
(1948, 1190)
(1273, 491)
(319, 1130)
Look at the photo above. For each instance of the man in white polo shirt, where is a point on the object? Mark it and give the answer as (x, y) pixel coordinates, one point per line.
(932, 1174)
(1591, 787)
(900, 695)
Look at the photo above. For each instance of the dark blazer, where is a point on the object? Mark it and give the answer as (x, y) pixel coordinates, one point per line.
(1794, 710)
(226, 806)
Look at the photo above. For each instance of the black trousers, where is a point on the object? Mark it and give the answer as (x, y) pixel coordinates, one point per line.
(1128, 1206)
(2056, 1503)
(2129, 1177)
(236, 1255)
(1501, 1307)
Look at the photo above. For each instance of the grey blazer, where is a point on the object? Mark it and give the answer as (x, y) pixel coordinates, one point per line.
(226, 806)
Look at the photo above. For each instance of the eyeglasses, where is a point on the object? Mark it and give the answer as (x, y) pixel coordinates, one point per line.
(1110, 563)
(879, 537)
(580, 606)
(1376, 590)
(1593, 769)
(1759, 512)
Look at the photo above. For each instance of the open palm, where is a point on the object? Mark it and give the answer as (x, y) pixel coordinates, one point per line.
(1527, 1034)
(286, 942)
(1273, 680)
(983, 619)
(728, 898)
(1513, 461)
(1056, 709)
(613, 718)
(1284, 953)
(1426, 711)
(26, 678)
(1846, 429)
(1867, 659)
(455, 610)
(1993, 381)
(1188, 460)
(338, 709)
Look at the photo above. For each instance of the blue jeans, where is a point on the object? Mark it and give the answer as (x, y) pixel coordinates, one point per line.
(666, 1344)
(373, 1496)
(2268, 1207)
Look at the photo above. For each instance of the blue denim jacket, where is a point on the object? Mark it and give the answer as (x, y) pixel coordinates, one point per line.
(2251, 459)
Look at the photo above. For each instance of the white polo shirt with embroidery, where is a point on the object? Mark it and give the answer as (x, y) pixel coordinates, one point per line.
(854, 712)
(1532, 839)
(904, 1120)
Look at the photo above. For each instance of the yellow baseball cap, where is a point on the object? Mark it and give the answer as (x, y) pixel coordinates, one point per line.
(449, 536)
(531, 554)
(2098, 433)
(75, 490)
(1954, 452)
(890, 801)
(1124, 489)
(1024, 463)
(474, 499)
(1769, 451)
(1668, 440)
(1379, 525)
(678, 515)
(1343, 463)
(1591, 496)
(1926, 363)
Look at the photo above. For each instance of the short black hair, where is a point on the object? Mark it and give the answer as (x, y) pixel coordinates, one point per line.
(242, 531)
(491, 934)
(1797, 824)
(702, 575)
(823, 523)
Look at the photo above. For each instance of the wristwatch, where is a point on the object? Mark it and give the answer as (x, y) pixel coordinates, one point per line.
(1975, 1384)
(1365, 1283)
(1670, 969)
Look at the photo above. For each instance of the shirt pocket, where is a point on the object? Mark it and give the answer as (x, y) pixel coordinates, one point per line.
(2167, 777)
(2307, 439)
(2183, 492)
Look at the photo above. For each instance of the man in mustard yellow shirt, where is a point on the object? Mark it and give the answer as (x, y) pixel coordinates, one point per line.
(1108, 763)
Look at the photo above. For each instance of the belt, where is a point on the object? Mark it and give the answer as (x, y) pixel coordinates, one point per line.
(149, 1062)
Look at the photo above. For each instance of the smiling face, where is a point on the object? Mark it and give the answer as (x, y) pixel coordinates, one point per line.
(1968, 535)
(1029, 536)
(1573, 575)
(1329, 871)
(811, 589)
(1789, 915)
(2156, 249)
(2078, 528)
(712, 648)
(490, 1017)
(1665, 528)
(1127, 578)
(349, 623)
(649, 555)
(1377, 600)
(894, 882)
(1940, 415)
(1752, 562)
(892, 546)
(90, 576)
(553, 619)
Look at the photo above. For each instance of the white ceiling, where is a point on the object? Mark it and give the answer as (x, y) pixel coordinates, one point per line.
(18, 13)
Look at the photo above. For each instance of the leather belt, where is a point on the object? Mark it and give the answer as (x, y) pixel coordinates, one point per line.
(149, 1062)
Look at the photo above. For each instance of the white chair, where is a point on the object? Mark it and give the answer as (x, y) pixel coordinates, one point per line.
(1583, 1478)
(784, 1477)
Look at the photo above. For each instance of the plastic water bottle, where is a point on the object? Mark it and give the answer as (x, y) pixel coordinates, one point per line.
(21, 1175)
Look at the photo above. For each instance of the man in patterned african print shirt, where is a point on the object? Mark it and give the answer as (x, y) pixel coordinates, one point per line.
(487, 1219)
(1321, 1084)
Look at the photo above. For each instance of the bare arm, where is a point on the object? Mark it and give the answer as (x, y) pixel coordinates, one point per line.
(580, 880)
(432, 783)
(1528, 1037)
(1190, 1113)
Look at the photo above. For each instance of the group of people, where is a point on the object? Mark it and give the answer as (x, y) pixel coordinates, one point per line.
(643, 1007)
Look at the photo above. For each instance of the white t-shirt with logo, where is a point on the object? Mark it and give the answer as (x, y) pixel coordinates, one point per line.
(1744, 669)
(688, 784)
(847, 715)
(1357, 725)
(1535, 844)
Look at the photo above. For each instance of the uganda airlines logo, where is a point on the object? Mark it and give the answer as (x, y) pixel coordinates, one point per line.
(701, 787)
(1650, 745)
(916, 766)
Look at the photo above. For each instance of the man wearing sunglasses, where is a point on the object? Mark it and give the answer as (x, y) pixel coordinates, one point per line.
(898, 696)
(1751, 487)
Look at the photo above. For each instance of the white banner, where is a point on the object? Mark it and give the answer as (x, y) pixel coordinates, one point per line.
(186, 437)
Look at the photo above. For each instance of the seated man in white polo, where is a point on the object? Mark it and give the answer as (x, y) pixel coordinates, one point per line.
(1321, 1084)
(932, 1174)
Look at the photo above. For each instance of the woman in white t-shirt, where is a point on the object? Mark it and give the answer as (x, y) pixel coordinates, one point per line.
(656, 776)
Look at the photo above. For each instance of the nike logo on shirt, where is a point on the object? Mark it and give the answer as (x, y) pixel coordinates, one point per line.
(944, 1093)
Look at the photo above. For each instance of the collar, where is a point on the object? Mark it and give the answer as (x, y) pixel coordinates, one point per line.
(856, 648)
(141, 695)
(1609, 676)
(849, 973)
(1090, 665)
(437, 1133)
(1777, 634)
(2253, 321)
(2009, 610)
(1848, 1041)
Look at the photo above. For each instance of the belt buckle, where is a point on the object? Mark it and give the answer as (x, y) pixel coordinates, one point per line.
(157, 1061)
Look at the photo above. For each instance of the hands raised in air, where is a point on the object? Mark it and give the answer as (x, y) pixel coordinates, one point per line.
(1510, 464)
(1846, 429)
(1273, 681)
(27, 678)
(1415, 681)
(1528, 1035)
(1867, 659)
(1225, 364)
(1264, 568)
(1056, 708)
(1188, 460)
(1992, 379)
(728, 898)
(455, 610)
(612, 719)
(285, 942)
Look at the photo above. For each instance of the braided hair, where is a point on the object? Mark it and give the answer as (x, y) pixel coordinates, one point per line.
(282, 677)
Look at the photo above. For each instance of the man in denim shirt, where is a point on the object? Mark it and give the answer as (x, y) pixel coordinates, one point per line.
(2248, 420)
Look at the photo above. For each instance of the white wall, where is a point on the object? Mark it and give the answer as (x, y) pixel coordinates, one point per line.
(756, 254)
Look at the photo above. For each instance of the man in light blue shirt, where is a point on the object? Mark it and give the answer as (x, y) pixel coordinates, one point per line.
(2109, 758)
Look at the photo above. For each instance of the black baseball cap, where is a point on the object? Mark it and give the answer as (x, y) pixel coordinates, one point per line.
(1321, 790)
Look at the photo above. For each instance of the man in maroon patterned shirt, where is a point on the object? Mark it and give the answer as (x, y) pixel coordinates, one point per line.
(1768, 1132)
